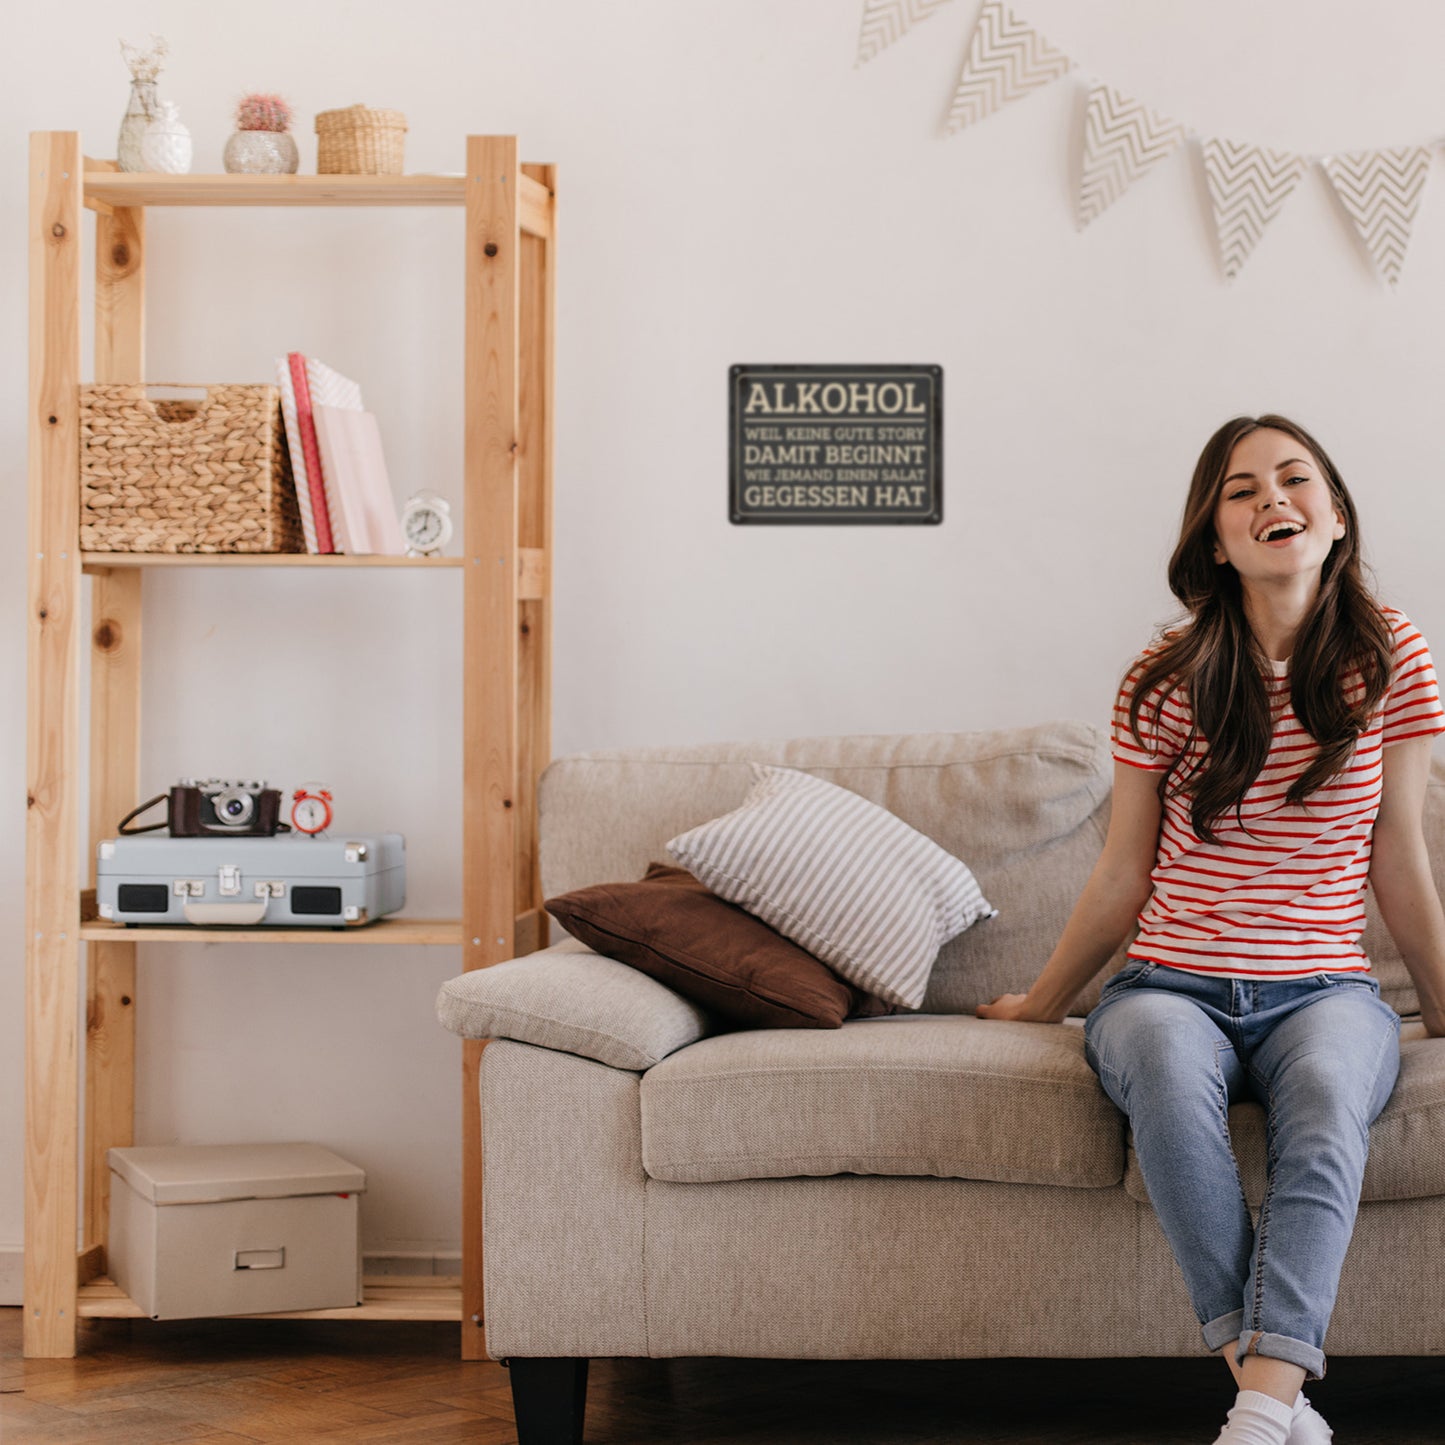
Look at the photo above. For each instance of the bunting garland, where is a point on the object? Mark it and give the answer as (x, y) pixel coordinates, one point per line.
(885, 21)
(1381, 190)
(1248, 186)
(1006, 59)
(1124, 139)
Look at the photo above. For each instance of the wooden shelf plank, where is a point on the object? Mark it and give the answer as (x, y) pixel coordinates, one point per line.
(386, 1297)
(385, 930)
(145, 188)
(532, 566)
(99, 561)
(108, 188)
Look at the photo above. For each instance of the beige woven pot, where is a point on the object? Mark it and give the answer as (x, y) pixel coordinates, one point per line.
(359, 142)
(186, 476)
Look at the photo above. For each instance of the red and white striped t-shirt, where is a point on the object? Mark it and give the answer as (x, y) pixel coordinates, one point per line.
(1286, 899)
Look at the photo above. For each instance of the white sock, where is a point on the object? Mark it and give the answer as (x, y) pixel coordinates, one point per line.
(1257, 1419)
(1307, 1425)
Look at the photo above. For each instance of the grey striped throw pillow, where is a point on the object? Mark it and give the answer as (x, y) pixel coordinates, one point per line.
(845, 879)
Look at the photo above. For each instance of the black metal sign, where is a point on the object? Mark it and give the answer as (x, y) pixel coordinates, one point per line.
(835, 444)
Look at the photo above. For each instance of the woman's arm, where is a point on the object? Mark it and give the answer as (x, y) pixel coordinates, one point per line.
(1400, 875)
(1112, 898)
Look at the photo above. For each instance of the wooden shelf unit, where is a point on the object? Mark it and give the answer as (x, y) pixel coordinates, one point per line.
(509, 288)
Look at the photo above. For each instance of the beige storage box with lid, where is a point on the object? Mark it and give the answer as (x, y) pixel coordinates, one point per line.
(235, 1229)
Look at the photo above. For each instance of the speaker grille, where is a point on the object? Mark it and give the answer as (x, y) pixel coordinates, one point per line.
(143, 898)
(316, 900)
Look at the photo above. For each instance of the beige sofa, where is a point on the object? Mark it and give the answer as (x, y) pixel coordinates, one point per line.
(916, 1186)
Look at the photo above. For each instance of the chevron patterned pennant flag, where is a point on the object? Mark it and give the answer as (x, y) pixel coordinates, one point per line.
(1122, 140)
(1248, 186)
(1381, 190)
(1007, 58)
(885, 21)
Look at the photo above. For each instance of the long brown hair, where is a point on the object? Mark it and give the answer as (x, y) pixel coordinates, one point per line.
(1219, 663)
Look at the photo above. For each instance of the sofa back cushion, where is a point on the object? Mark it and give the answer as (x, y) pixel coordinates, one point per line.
(1025, 808)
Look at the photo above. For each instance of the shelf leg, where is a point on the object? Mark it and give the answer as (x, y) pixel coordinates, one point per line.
(536, 328)
(52, 890)
(109, 1074)
(111, 970)
(115, 658)
(474, 1338)
(489, 694)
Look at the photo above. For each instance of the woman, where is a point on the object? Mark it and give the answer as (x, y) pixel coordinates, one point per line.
(1271, 757)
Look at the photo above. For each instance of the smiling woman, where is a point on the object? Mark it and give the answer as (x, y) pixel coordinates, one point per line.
(1271, 758)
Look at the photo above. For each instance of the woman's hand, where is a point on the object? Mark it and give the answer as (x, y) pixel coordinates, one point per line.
(1402, 882)
(1012, 1006)
(1117, 890)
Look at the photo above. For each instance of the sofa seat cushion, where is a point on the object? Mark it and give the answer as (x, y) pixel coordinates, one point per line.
(952, 1097)
(1407, 1141)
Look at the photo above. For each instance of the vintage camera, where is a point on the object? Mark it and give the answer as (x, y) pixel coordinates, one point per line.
(196, 808)
(217, 806)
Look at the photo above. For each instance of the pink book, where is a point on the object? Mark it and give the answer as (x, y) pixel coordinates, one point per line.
(363, 508)
(306, 425)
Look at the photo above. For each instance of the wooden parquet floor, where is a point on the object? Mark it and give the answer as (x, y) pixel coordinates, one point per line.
(140, 1383)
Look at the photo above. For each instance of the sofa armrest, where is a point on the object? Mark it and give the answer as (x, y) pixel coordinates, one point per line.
(573, 1000)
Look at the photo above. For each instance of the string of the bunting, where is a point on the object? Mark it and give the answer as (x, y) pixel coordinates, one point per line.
(1124, 139)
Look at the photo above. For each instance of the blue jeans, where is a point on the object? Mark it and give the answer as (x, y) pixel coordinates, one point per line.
(1173, 1050)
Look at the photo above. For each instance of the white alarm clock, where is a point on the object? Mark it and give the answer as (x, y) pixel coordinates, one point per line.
(426, 524)
(311, 809)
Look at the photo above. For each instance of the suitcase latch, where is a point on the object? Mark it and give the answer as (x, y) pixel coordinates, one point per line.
(229, 880)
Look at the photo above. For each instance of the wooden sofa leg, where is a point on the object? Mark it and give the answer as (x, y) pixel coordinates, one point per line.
(549, 1397)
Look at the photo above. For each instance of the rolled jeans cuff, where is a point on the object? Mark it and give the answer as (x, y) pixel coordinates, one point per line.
(1282, 1347)
(1223, 1331)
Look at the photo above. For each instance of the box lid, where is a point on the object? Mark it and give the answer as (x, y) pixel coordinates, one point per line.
(210, 1173)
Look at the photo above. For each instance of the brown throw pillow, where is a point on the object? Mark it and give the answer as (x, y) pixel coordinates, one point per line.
(670, 927)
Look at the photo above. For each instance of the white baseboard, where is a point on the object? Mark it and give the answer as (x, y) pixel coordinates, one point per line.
(12, 1268)
(12, 1274)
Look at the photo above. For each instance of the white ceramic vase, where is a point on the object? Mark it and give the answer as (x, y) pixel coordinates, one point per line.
(261, 152)
(166, 146)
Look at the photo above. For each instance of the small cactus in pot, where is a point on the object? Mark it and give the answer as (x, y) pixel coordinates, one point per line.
(260, 111)
(262, 143)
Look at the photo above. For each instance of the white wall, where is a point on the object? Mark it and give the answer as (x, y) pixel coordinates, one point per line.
(733, 190)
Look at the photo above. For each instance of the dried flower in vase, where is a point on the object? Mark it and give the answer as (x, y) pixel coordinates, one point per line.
(260, 111)
(144, 64)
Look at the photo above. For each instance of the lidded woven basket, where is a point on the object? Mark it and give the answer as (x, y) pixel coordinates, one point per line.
(186, 476)
(359, 142)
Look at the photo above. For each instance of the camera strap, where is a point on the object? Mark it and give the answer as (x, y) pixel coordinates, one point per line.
(144, 807)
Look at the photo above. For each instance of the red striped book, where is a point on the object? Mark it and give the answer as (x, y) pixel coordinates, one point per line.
(306, 425)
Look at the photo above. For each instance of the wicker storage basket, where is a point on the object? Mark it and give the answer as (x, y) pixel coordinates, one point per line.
(359, 142)
(186, 476)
